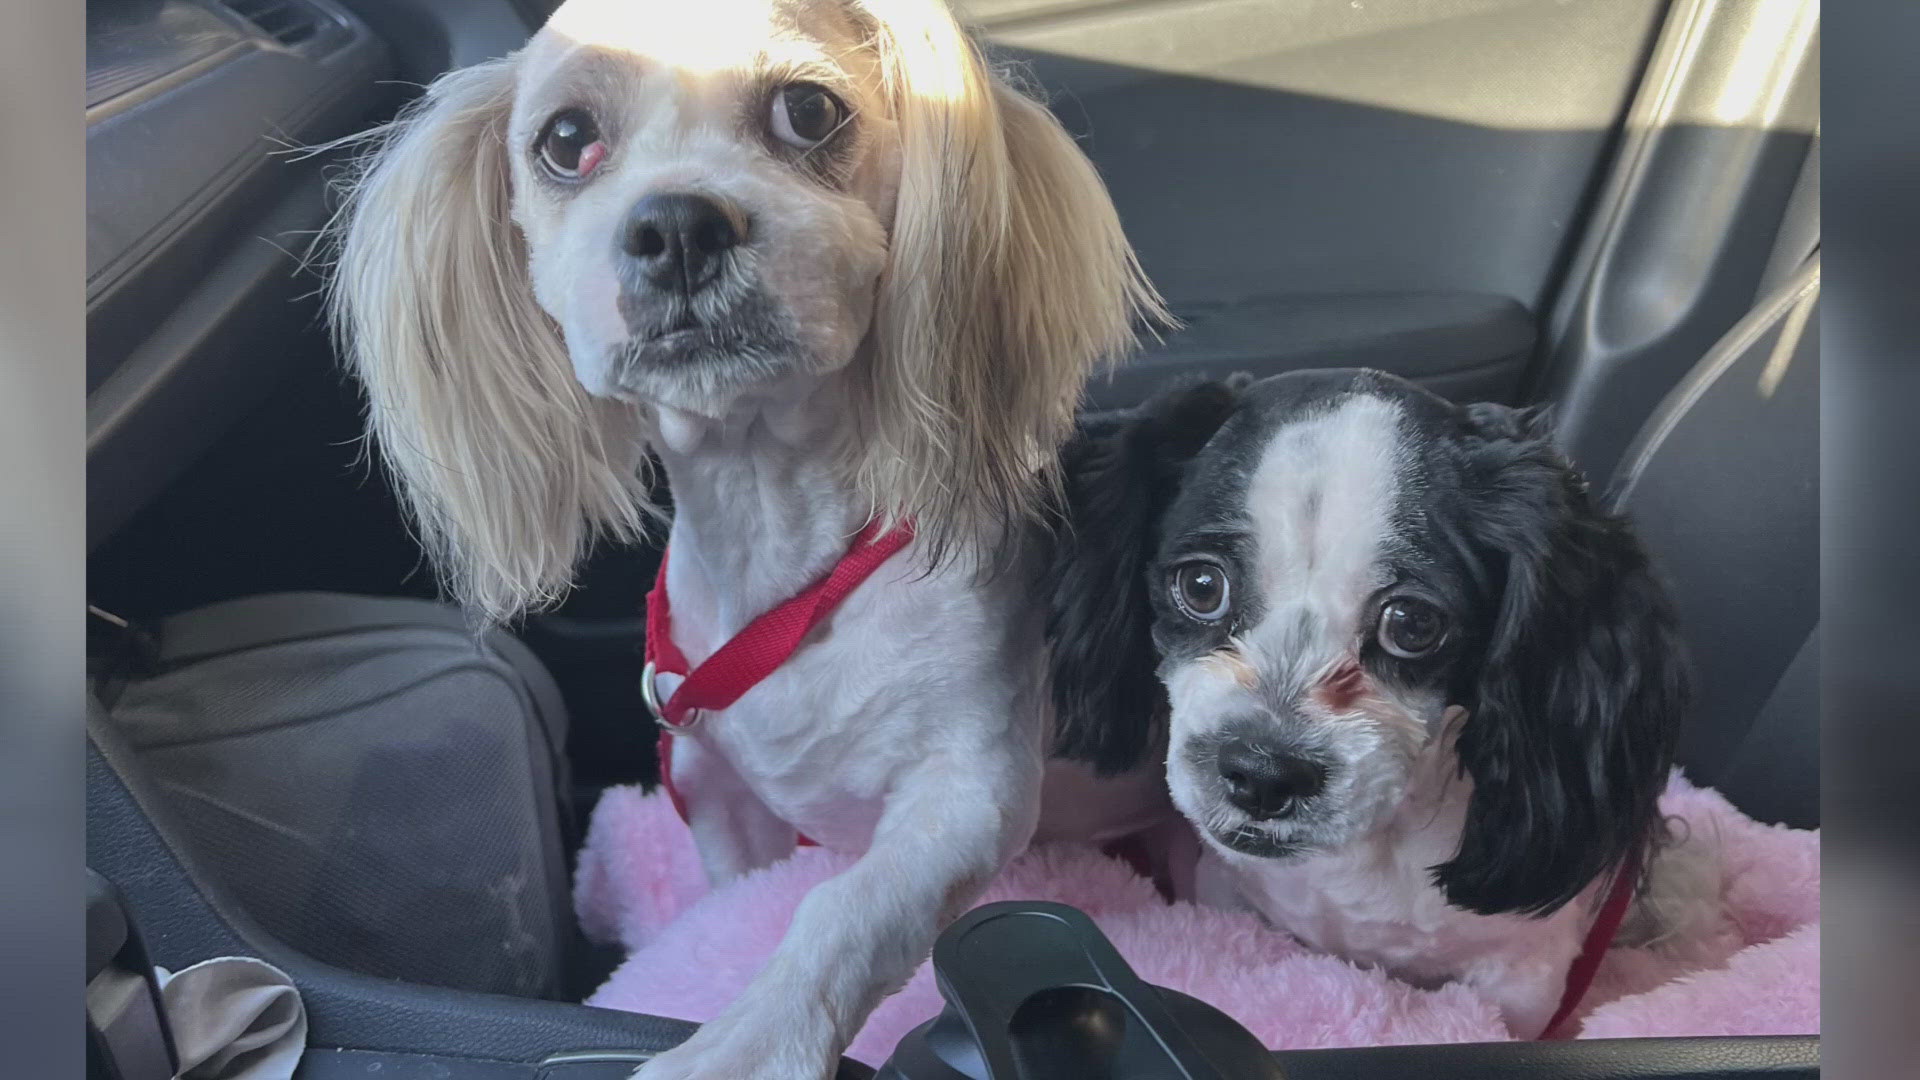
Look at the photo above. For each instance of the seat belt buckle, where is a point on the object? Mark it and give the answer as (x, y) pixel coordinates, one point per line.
(127, 1033)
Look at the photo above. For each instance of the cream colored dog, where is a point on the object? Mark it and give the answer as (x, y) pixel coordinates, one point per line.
(828, 267)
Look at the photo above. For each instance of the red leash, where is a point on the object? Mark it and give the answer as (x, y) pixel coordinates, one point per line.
(1599, 939)
(755, 652)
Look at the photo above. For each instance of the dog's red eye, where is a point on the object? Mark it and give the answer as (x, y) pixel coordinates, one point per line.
(804, 114)
(1411, 628)
(1200, 590)
(570, 145)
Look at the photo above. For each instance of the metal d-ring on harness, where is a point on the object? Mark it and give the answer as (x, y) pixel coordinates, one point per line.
(755, 652)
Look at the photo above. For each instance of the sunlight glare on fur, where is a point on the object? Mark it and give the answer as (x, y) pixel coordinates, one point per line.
(679, 34)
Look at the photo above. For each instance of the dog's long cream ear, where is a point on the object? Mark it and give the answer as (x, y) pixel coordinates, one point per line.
(509, 468)
(1008, 280)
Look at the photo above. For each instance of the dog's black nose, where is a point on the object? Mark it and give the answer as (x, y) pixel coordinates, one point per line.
(679, 240)
(1266, 782)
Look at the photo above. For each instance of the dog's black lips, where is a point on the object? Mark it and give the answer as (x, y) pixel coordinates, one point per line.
(1248, 840)
(671, 331)
(704, 346)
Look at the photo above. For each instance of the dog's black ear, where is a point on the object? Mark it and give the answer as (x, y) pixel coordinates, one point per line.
(1580, 687)
(1119, 471)
(1495, 421)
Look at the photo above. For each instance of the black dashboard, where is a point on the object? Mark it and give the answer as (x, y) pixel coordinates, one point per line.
(200, 203)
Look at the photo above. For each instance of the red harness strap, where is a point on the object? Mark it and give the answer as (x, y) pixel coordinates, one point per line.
(755, 652)
(1599, 939)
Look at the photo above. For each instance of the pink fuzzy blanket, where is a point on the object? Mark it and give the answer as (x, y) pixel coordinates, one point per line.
(691, 950)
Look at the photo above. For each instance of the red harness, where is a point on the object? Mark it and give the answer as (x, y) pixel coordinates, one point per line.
(1599, 939)
(755, 652)
(763, 646)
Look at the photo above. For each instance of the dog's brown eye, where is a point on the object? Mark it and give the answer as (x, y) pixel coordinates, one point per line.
(570, 145)
(1200, 590)
(804, 114)
(1411, 628)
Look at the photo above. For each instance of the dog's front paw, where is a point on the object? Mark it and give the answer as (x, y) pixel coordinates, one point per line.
(736, 1052)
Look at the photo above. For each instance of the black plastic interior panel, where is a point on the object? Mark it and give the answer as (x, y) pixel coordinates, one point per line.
(1318, 147)
(1768, 1058)
(1688, 221)
(1758, 780)
(163, 156)
(432, 37)
(1762, 1058)
(1467, 346)
(217, 351)
(1321, 148)
(300, 25)
(197, 216)
(327, 1064)
(1724, 486)
(135, 45)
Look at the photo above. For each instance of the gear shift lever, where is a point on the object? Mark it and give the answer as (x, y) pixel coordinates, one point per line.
(1035, 991)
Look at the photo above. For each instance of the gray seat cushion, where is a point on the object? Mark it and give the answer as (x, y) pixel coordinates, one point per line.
(377, 786)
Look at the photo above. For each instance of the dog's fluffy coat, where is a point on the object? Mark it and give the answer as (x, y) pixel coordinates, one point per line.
(1454, 812)
(898, 326)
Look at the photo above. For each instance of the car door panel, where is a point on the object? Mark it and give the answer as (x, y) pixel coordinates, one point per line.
(1405, 177)
(196, 218)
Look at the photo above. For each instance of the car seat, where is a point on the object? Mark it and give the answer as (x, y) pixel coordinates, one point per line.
(1723, 483)
(378, 786)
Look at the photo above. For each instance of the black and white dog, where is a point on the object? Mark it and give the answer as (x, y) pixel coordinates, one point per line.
(1420, 692)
